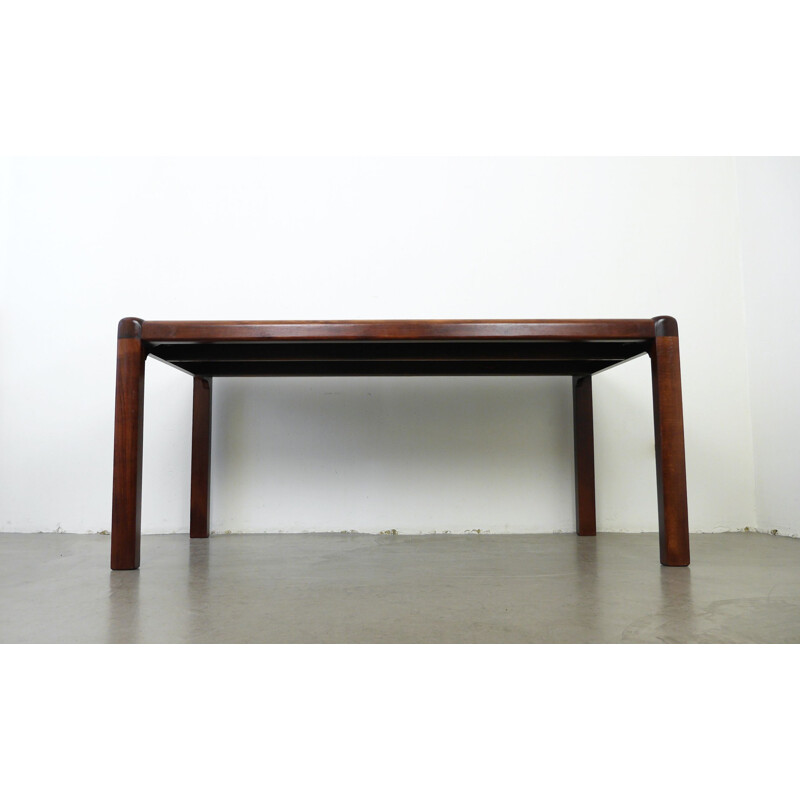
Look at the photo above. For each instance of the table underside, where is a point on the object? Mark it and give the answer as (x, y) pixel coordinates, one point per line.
(464, 357)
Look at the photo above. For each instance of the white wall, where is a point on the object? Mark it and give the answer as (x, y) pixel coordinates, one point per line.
(769, 193)
(89, 241)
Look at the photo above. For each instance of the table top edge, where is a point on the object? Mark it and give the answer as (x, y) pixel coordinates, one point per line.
(409, 329)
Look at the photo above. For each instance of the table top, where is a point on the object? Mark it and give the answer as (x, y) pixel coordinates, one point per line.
(397, 347)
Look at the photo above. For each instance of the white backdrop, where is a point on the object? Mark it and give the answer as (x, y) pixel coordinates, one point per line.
(769, 190)
(86, 242)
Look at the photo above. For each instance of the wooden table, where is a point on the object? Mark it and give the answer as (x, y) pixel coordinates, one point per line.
(577, 348)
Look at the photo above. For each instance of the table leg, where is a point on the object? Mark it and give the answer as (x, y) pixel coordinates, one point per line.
(673, 515)
(583, 428)
(201, 458)
(128, 431)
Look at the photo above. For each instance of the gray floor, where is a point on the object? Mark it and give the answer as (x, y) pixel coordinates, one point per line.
(331, 587)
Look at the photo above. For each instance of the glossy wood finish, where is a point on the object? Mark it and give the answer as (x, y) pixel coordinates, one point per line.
(201, 459)
(673, 514)
(583, 432)
(126, 511)
(577, 348)
(372, 330)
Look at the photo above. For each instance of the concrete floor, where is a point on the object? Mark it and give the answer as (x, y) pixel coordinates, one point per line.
(331, 587)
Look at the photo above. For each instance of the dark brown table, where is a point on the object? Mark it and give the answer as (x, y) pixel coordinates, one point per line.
(575, 348)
